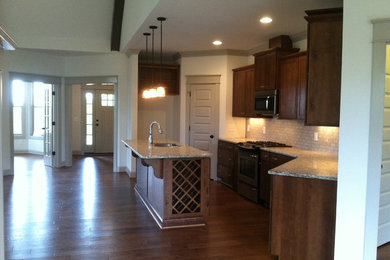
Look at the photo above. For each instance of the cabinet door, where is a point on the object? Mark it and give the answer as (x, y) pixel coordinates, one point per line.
(227, 163)
(265, 71)
(265, 178)
(239, 93)
(250, 93)
(302, 60)
(324, 68)
(288, 88)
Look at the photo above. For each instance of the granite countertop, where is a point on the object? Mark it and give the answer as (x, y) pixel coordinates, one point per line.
(236, 140)
(308, 163)
(144, 151)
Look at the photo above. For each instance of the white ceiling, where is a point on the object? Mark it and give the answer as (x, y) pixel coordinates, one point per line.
(66, 26)
(193, 24)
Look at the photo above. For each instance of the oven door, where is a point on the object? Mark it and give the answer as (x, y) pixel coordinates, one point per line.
(248, 162)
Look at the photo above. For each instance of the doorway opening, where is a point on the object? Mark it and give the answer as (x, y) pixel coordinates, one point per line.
(203, 115)
(33, 119)
(93, 119)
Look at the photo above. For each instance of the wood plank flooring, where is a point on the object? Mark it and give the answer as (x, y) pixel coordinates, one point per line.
(89, 212)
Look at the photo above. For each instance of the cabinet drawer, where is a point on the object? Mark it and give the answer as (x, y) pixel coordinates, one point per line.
(278, 159)
(226, 175)
(248, 191)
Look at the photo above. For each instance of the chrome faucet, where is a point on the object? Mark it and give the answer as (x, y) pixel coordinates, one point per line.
(151, 132)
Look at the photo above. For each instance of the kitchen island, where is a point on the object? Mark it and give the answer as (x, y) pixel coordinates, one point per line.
(172, 182)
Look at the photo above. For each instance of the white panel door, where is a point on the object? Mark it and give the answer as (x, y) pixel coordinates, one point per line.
(204, 121)
(104, 121)
(48, 127)
(384, 204)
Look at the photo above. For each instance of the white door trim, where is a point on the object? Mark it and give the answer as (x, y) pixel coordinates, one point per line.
(68, 114)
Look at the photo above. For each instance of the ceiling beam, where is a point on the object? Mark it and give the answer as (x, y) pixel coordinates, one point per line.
(117, 25)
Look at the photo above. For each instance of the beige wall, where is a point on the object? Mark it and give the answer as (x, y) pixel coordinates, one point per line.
(213, 65)
(163, 110)
(76, 119)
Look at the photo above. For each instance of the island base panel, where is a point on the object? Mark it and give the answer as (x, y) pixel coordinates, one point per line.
(180, 197)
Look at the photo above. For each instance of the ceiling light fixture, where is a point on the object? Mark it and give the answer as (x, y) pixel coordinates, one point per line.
(265, 19)
(217, 42)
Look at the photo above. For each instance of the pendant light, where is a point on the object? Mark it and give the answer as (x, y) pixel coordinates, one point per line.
(160, 88)
(158, 91)
(147, 46)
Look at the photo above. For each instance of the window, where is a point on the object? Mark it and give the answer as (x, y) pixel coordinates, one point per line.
(107, 100)
(18, 96)
(89, 118)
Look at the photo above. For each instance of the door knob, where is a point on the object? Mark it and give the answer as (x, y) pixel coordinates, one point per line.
(211, 136)
(97, 124)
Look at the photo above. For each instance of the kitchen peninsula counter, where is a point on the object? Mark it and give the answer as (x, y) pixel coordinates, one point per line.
(172, 182)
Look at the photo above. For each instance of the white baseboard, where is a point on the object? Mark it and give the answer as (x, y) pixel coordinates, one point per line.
(127, 170)
(77, 152)
(30, 152)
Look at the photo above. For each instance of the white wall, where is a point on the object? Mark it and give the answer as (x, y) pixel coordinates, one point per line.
(213, 65)
(133, 109)
(23, 61)
(76, 119)
(1, 164)
(360, 132)
(113, 64)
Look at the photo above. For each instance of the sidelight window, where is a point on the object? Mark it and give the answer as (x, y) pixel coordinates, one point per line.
(18, 97)
(89, 118)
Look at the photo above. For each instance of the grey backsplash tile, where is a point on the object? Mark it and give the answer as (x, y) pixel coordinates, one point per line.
(295, 133)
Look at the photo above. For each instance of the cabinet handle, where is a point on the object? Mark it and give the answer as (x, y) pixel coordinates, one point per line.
(253, 156)
(253, 189)
(274, 159)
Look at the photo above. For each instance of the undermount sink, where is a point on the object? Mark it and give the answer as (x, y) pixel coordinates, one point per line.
(165, 144)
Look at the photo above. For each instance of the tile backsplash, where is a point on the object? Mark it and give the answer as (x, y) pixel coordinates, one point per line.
(295, 133)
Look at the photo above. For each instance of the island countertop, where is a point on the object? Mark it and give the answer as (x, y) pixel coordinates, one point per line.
(145, 151)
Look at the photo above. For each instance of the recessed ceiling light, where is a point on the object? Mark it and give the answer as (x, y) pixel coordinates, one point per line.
(265, 19)
(217, 42)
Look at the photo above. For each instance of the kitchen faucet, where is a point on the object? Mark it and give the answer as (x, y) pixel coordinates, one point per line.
(151, 132)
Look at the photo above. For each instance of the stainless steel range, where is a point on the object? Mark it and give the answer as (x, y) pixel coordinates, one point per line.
(249, 165)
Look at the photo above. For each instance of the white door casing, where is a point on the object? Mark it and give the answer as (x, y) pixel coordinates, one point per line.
(203, 120)
(384, 204)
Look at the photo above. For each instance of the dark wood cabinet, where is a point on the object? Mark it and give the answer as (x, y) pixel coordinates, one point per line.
(243, 93)
(292, 86)
(269, 160)
(227, 163)
(266, 68)
(303, 218)
(324, 66)
(167, 75)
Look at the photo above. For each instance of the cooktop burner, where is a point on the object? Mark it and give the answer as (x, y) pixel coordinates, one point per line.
(267, 144)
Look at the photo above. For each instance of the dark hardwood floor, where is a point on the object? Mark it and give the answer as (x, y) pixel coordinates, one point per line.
(89, 212)
(384, 252)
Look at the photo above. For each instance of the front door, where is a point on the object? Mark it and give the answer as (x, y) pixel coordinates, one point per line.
(203, 122)
(98, 118)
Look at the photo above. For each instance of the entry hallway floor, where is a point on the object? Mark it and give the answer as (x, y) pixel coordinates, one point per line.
(88, 212)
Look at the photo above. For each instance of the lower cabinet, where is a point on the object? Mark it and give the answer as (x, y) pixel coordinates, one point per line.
(227, 163)
(269, 160)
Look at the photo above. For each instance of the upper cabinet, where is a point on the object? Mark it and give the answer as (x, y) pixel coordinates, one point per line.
(167, 75)
(243, 94)
(324, 66)
(266, 67)
(292, 86)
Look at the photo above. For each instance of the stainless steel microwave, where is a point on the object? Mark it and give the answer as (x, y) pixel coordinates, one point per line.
(266, 102)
